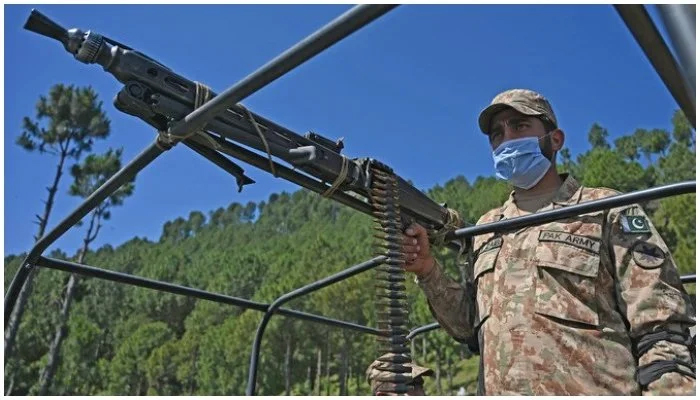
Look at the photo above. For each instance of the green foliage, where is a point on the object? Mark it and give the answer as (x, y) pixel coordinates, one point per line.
(595, 169)
(682, 131)
(125, 340)
(67, 124)
(598, 137)
(74, 119)
(93, 172)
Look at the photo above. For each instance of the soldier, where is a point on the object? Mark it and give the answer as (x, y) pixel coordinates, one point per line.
(380, 387)
(588, 305)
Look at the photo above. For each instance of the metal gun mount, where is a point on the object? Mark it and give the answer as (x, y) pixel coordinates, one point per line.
(162, 98)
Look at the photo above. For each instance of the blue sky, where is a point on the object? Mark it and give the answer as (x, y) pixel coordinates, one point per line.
(406, 90)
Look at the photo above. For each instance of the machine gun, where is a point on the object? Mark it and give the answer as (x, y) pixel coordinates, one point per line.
(162, 98)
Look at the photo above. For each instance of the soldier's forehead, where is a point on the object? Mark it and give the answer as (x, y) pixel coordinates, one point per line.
(507, 113)
(504, 115)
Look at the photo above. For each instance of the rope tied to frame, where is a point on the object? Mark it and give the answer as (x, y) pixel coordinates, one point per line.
(262, 139)
(167, 140)
(342, 175)
(202, 94)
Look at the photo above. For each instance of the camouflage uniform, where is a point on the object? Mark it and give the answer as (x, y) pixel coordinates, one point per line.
(575, 306)
(561, 306)
(378, 378)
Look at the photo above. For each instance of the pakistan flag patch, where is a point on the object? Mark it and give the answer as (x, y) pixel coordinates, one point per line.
(635, 224)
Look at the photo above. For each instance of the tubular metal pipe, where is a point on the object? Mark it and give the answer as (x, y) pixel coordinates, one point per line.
(645, 33)
(688, 279)
(120, 277)
(422, 329)
(312, 45)
(96, 198)
(570, 211)
(679, 20)
(347, 273)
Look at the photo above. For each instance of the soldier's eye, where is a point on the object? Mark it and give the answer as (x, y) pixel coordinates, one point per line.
(495, 138)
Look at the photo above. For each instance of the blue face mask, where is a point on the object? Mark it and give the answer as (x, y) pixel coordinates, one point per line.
(521, 162)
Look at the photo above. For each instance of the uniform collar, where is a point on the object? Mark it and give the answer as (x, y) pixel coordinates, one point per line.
(569, 193)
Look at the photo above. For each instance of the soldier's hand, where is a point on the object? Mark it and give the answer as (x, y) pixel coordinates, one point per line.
(416, 249)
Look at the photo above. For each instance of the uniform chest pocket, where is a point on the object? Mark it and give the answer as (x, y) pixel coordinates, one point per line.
(567, 272)
(483, 279)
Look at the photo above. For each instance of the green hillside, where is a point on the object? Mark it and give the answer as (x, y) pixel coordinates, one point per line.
(123, 340)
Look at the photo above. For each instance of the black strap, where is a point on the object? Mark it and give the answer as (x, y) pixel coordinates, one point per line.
(650, 372)
(648, 341)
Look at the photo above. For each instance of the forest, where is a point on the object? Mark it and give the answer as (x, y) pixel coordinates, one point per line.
(85, 336)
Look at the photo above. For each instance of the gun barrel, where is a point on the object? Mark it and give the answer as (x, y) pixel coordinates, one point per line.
(43, 25)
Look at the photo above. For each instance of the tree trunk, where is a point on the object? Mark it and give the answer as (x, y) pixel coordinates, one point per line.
(319, 367)
(193, 379)
(49, 371)
(309, 380)
(26, 291)
(423, 347)
(10, 386)
(438, 371)
(348, 380)
(449, 376)
(288, 368)
(342, 373)
(47, 375)
(328, 365)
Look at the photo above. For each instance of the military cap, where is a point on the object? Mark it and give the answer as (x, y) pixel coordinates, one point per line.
(523, 101)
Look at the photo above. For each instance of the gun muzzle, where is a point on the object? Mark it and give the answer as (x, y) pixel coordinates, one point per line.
(84, 46)
(43, 25)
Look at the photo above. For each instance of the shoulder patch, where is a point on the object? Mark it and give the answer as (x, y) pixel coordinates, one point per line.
(648, 255)
(634, 224)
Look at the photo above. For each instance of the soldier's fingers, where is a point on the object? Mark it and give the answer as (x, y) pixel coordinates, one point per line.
(410, 249)
(409, 259)
(409, 241)
(414, 229)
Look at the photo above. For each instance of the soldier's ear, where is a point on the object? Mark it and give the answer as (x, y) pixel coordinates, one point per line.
(557, 139)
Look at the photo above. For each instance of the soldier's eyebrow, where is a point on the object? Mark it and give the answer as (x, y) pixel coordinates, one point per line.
(513, 121)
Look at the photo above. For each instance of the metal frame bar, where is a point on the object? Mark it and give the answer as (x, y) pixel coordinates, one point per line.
(98, 196)
(636, 19)
(336, 30)
(134, 280)
(333, 32)
(422, 329)
(582, 208)
(680, 25)
(312, 287)
(642, 27)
